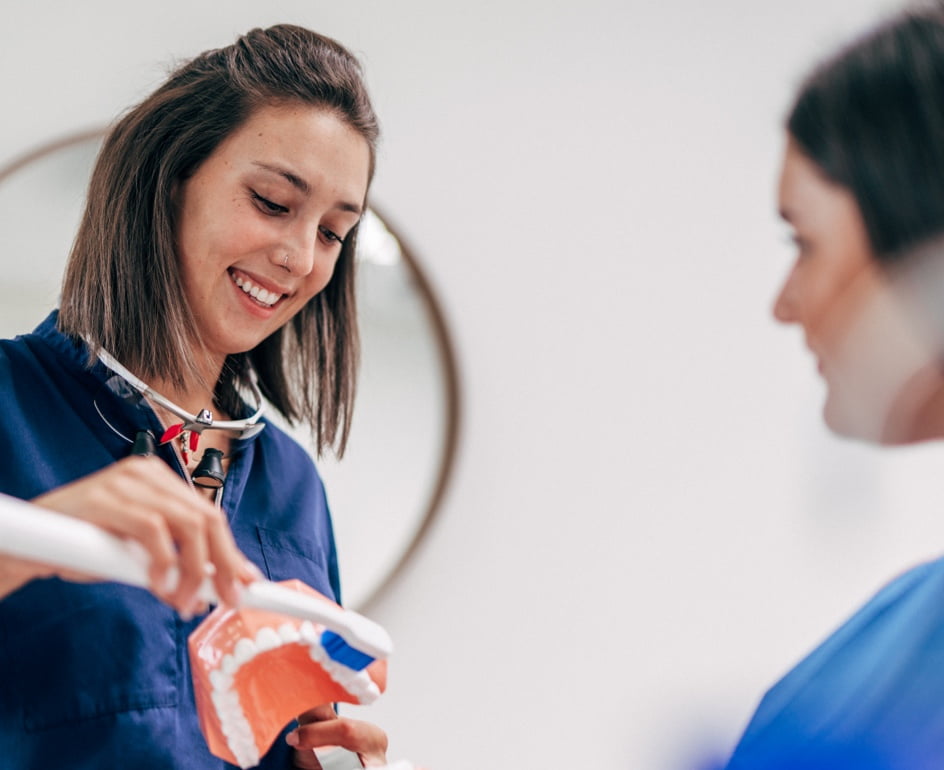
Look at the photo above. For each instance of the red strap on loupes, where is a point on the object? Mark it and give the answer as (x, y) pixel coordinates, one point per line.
(193, 440)
(172, 432)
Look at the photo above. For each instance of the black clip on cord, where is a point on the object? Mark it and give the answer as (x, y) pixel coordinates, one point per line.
(144, 444)
(209, 471)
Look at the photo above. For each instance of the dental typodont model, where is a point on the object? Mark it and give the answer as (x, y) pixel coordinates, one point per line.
(254, 671)
(285, 649)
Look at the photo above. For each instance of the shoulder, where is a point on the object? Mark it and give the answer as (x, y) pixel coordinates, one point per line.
(32, 366)
(43, 351)
(916, 590)
(17, 356)
(866, 685)
(901, 619)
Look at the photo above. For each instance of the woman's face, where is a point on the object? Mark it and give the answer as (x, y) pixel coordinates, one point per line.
(261, 222)
(866, 340)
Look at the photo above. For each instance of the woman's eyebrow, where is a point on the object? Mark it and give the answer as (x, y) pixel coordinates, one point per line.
(292, 178)
(300, 184)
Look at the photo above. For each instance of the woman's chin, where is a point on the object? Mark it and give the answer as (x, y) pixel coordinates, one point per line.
(848, 421)
(876, 425)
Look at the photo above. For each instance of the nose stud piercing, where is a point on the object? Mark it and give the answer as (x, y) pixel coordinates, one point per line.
(285, 262)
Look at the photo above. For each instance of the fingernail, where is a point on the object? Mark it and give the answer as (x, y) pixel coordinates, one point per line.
(292, 738)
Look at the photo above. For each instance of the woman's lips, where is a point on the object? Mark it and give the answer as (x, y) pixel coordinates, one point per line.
(262, 294)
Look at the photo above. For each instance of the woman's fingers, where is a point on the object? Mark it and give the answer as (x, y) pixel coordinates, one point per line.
(318, 714)
(153, 499)
(321, 726)
(142, 499)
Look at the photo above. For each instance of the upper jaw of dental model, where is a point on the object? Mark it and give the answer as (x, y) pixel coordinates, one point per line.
(262, 296)
(254, 671)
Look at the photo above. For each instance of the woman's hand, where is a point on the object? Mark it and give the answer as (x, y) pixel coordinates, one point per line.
(142, 499)
(321, 726)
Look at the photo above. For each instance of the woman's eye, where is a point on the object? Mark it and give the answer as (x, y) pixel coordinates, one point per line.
(800, 243)
(331, 236)
(270, 207)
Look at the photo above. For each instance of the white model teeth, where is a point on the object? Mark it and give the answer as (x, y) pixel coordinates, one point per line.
(267, 639)
(229, 665)
(244, 651)
(219, 680)
(262, 296)
(288, 633)
(233, 722)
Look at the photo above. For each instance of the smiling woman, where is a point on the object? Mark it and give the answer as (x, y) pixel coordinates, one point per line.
(183, 207)
(404, 436)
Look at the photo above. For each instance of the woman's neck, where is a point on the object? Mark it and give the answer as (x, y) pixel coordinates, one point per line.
(918, 413)
(196, 393)
(192, 398)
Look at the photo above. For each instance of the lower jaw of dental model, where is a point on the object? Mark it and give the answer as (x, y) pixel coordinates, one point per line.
(255, 671)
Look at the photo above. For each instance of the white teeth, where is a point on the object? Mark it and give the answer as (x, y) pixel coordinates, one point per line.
(229, 710)
(263, 296)
(308, 633)
(228, 664)
(244, 651)
(288, 633)
(219, 680)
(267, 639)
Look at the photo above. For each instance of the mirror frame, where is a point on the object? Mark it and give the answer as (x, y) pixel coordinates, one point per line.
(446, 353)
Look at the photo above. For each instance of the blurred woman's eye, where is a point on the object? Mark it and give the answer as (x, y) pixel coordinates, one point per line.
(801, 244)
(270, 207)
(330, 236)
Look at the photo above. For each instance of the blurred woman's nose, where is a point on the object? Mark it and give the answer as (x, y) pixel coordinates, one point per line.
(784, 309)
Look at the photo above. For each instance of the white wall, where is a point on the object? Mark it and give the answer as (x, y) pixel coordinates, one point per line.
(647, 523)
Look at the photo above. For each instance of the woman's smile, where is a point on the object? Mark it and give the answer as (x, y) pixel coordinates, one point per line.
(256, 290)
(262, 222)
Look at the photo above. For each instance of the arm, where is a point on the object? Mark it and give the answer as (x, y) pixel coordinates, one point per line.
(143, 500)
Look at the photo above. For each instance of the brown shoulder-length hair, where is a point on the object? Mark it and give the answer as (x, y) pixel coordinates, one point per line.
(122, 288)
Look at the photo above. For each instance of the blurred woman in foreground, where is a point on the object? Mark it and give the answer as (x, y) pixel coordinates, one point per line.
(862, 188)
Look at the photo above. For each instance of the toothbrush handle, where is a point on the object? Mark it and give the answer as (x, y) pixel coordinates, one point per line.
(36, 534)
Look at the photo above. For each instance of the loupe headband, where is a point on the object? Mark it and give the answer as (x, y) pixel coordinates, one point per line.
(196, 423)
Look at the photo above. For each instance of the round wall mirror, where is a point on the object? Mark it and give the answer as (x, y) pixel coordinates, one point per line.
(386, 490)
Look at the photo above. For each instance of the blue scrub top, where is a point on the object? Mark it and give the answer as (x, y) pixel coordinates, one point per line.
(97, 675)
(871, 697)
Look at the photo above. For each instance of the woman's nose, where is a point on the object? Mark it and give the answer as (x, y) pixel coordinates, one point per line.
(784, 309)
(297, 254)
